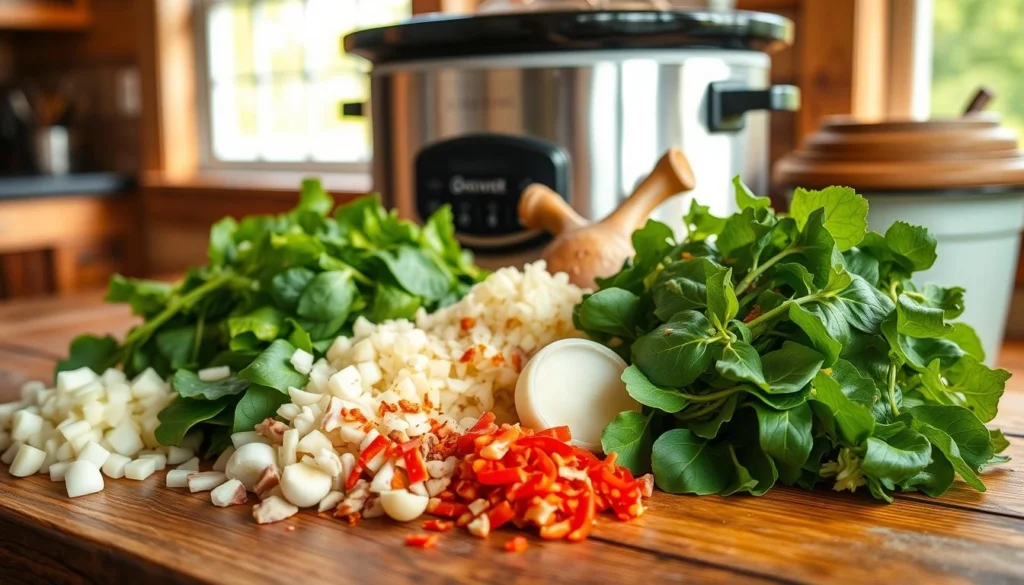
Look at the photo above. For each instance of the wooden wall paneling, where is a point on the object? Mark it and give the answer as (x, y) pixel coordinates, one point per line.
(871, 59)
(43, 15)
(826, 61)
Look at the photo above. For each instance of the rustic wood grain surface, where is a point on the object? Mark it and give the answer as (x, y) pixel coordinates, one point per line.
(141, 532)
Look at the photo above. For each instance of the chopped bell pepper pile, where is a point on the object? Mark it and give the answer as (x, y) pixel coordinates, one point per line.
(511, 475)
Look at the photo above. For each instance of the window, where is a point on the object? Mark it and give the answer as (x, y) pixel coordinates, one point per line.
(273, 76)
(977, 42)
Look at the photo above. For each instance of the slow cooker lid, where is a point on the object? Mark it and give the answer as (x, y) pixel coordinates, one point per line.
(432, 36)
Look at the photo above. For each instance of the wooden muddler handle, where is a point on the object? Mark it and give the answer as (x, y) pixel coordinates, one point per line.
(542, 208)
(672, 175)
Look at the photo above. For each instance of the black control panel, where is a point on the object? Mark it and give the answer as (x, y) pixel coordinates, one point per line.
(481, 176)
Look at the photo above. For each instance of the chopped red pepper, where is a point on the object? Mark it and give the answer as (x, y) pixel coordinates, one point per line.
(421, 540)
(500, 515)
(516, 544)
(561, 433)
(377, 446)
(449, 509)
(438, 525)
(556, 531)
(415, 467)
(549, 445)
(502, 476)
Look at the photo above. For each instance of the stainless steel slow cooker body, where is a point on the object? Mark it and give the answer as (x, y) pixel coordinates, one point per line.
(473, 131)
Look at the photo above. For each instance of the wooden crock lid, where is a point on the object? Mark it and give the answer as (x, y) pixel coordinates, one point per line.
(969, 152)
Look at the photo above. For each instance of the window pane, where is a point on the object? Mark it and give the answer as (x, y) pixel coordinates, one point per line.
(279, 36)
(332, 137)
(230, 41)
(282, 116)
(977, 42)
(234, 126)
(327, 22)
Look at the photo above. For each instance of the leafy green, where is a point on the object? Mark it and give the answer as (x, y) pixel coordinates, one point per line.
(258, 403)
(184, 413)
(795, 348)
(276, 283)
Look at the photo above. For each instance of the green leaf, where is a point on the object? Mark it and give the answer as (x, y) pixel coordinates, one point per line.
(999, 441)
(416, 272)
(935, 479)
(286, 287)
(265, 323)
(188, 385)
(949, 300)
(90, 351)
(745, 197)
(962, 427)
(862, 264)
(613, 311)
(681, 286)
(865, 306)
(790, 368)
(853, 421)
(979, 386)
(700, 223)
(786, 437)
(897, 457)
(676, 353)
(739, 362)
(722, 303)
(818, 249)
(741, 232)
(273, 368)
(796, 277)
(391, 302)
(645, 392)
(913, 246)
(709, 429)
(629, 435)
(916, 320)
(964, 336)
(313, 198)
(175, 345)
(816, 325)
(950, 451)
(299, 337)
(184, 413)
(845, 215)
(222, 250)
(683, 463)
(328, 297)
(258, 404)
(220, 439)
(742, 480)
(145, 297)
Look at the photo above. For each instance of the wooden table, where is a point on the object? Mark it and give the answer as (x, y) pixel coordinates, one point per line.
(144, 533)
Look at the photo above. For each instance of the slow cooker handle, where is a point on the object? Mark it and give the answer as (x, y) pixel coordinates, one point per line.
(729, 101)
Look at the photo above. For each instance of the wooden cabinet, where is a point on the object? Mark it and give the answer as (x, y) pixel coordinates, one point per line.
(44, 14)
(59, 245)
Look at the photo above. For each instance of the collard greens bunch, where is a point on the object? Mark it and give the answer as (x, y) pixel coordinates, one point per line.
(274, 284)
(794, 348)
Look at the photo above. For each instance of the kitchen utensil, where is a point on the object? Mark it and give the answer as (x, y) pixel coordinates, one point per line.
(588, 251)
(962, 178)
(52, 150)
(469, 110)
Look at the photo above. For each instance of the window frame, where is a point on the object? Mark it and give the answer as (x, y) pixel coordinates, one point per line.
(204, 114)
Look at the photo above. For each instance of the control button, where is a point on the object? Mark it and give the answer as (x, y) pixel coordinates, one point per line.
(492, 215)
(464, 215)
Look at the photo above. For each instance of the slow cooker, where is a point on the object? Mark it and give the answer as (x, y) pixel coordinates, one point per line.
(469, 110)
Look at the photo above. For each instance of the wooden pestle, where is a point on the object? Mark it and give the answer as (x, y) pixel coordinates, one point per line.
(588, 251)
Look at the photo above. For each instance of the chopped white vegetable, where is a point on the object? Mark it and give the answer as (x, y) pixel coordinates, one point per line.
(330, 501)
(93, 413)
(289, 411)
(159, 460)
(11, 452)
(205, 481)
(302, 361)
(214, 374)
(273, 509)
(124, 439)
(113, 376)
(5, 440)
(65, 452)
(178, 455)
(230, 493)
(221, 463)
(287, 453)
(75, 379)
(192, 465)
(373, 508)
(347, 384)
(115, 466)
(313, 443)
(178, 478)
(94, 453)
(303, 398)
(147, 384)
(327, 461)
(140, 469)
(247, 437)
(25, 424)
(382, 481)
(82, 478)
(28, 461)
(303, 485)
(192, 441)
(403, 506)
(248, 462)
(7, 411)
(59, 470)
(269, 482)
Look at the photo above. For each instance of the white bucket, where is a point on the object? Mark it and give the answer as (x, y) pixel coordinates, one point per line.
(979, 240)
